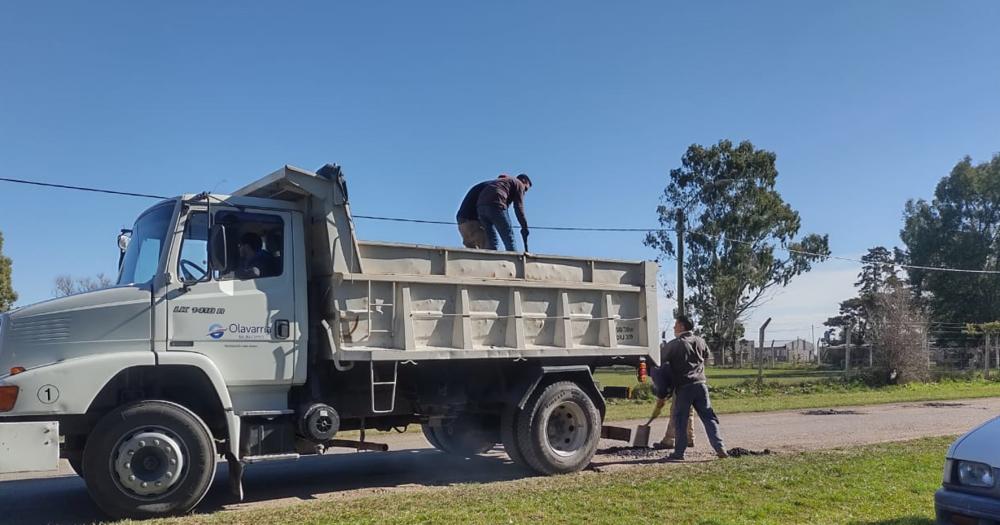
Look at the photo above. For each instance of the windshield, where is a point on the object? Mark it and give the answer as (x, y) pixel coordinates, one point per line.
(142, 257)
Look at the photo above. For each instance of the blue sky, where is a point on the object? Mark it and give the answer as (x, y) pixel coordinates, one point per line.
(865, 103)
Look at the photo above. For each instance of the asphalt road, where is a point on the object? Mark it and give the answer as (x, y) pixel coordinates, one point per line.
(411, 465)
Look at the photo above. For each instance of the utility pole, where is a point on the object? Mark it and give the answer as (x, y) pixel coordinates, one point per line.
(760, 353)
(680, 263)
(847, 349)
(815, 348)
(986, 356)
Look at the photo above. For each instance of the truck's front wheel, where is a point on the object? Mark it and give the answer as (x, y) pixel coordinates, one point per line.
(149, 459)
(559, 429)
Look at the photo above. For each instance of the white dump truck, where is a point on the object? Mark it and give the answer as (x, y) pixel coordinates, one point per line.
(257, 327)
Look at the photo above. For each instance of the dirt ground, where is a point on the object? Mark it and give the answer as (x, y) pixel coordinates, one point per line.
(412, 465)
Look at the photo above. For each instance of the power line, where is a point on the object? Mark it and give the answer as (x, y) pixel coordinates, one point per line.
(551, 228)
(82, 188)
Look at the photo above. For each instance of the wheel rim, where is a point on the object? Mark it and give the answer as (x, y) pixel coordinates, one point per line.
(566, 428)
(149, 462)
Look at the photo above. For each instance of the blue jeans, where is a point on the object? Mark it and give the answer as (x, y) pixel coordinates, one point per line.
(496, 221)
(697, 395)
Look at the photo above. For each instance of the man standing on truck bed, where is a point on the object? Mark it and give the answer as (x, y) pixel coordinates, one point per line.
(686, 356)
(469, 227)
(492, 210)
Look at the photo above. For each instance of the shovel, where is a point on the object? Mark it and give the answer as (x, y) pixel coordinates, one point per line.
(642, 431)
(641, 436)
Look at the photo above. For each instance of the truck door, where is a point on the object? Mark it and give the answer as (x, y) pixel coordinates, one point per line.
(243, 318)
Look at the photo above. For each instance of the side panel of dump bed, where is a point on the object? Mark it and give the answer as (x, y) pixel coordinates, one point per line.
(423, 302)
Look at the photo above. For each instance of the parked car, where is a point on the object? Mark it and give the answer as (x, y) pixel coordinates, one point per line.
(970, 493)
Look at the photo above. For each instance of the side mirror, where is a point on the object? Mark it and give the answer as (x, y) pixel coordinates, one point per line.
(123, 239)
(218, 248)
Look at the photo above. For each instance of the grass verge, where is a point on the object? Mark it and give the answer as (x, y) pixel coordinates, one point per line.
(748, 397)
(731, 376)
(888, 483)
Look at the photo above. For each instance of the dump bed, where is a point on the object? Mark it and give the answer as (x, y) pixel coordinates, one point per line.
(386, 301)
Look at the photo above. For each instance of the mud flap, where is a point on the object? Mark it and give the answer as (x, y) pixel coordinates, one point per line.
(236, 469)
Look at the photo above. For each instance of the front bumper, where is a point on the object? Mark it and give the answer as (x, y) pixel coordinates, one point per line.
(29, 447)
(953, 507)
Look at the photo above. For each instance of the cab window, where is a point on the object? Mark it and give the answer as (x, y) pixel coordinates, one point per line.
(255, 242)
(142, 257)
(193, 262)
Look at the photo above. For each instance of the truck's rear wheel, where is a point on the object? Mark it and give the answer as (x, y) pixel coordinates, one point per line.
(508, 435)
(149, 459)
(559, 429)
(468, 435)
(431, 437)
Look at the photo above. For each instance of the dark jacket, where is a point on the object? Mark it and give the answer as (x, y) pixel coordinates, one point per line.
(663, 386)
(467, 211)
(262, 264)
(686, 356)
(501, 193)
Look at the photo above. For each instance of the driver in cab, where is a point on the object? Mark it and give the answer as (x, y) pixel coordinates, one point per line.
(255, 261)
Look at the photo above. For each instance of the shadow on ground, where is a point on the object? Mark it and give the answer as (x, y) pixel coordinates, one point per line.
(906, 520)
(64, 500)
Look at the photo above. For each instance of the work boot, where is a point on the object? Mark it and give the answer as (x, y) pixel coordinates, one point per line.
(722, 453)
(675, 457)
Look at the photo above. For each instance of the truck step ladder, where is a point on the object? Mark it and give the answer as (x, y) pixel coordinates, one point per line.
(383, 385)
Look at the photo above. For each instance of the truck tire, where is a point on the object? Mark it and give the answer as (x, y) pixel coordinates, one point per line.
(430, 437)
(468, 435)
(559, 429)
(149, 459)
(508, 435)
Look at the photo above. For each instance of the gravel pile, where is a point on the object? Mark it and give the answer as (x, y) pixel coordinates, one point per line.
(634, 452)
(830, 412)
(740, 452)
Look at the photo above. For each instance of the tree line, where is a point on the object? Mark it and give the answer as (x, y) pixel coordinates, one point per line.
(743, 240)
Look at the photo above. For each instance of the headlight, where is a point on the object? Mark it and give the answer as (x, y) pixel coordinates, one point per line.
(975, 474)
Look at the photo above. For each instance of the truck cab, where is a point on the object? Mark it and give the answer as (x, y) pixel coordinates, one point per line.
(257, 327)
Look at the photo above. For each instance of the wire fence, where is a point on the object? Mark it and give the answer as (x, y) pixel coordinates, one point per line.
(946, 353)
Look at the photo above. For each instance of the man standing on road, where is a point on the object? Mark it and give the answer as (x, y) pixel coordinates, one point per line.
(492, 210)
(663, 389)
(686, 356)
(469, 227)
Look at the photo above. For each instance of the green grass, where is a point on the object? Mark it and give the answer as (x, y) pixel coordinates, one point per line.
(730, 376)
(888, 483)
(748, 398)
